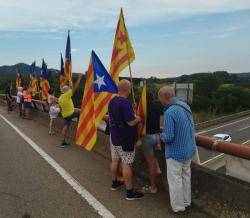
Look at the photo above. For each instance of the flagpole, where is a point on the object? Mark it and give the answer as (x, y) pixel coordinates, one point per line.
(129, 65)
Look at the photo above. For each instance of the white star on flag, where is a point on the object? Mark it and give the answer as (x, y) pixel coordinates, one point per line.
(100, 81)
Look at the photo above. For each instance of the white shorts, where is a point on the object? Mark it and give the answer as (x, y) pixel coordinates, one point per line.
(118, 153)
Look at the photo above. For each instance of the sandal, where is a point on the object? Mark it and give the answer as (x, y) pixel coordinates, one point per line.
(147, 190)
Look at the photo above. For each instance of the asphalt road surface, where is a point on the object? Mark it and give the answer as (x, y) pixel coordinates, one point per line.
(239, 130)
(70, 182)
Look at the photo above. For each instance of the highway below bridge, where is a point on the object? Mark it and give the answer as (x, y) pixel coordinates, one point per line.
(238, 129)
(41, 179)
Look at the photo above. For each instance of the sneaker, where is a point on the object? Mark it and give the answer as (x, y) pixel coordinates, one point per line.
(134, 195)
(116, 185)
(64, 144)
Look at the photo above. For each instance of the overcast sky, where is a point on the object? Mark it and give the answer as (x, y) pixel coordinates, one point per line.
(170, 37)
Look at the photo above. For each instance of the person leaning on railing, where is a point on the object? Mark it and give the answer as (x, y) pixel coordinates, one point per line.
(67, 108)
(19, 100)
(123, 130)
(27, 102)
(151, 141)
(179, 138)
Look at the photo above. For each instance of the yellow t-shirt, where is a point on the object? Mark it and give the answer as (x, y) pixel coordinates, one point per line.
(66, 104)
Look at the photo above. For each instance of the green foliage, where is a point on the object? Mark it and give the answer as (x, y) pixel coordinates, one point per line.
(214, 93)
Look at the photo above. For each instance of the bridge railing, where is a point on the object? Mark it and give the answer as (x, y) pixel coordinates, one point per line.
(237, 150)
(212, 191)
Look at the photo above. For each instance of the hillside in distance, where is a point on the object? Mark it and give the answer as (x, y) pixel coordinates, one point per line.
(25, 71)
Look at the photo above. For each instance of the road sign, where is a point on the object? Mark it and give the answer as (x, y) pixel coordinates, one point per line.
(184, 91)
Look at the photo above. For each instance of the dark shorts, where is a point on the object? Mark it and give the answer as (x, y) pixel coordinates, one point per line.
(149, 142)
(27, 105)
(67, 120)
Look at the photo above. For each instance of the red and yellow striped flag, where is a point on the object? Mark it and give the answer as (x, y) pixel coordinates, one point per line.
(87, 128)
(44, 83)
(123, 53)
(18, 79)
(142, 113)
(34, 85)
(62, 79)
(98, 81)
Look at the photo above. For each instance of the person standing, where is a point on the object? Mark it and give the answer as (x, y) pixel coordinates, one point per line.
(123, 130)
(19, 100)
(67, 109)
(54, 110)
(151, 141)
(9, 98)
(179, 139)
(27, 103)
(51, 96)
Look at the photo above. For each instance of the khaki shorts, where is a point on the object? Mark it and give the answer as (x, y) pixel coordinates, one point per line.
(118, 153)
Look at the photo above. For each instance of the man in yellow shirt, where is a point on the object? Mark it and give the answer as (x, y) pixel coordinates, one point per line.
(67, 109)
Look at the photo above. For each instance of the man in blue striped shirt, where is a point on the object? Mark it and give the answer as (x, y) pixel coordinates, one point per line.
(179, 139)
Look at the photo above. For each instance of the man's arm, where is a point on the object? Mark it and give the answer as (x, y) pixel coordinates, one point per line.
(134, 122)
(75, 86)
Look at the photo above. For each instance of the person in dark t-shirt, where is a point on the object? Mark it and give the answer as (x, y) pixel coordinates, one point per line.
(9, 98)
(151, 141)
(123, 130)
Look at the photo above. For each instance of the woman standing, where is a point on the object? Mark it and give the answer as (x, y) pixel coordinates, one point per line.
(19, 100)
(151, 141)
(27, 103)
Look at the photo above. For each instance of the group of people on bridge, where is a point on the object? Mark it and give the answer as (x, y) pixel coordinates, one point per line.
(177, 138)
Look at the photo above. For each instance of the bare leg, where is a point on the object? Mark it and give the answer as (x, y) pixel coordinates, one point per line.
(119, 173)
(27, 113)
(20, 110)
(50, 125)
(127, 174)
(114, 168)
(154, 171)
(64, 133)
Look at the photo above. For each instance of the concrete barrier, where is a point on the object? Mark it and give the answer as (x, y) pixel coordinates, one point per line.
(218, 195)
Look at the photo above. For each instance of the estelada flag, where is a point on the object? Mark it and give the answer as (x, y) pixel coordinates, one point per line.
(18, 78)
(62, 79)
(68, 63)
(98, 81)
(122, 55)
(44, 83)
(123, 52)
(142, 113)
(33, 80)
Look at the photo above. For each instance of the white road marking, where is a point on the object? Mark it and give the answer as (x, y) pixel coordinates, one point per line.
(92, 201)
(246, 127)
(218, 127)
(246, 142)
(212, 159)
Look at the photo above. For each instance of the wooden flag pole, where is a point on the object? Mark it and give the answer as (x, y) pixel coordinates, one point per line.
(129, 65)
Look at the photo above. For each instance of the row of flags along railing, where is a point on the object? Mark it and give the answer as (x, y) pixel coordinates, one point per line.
(100, 86)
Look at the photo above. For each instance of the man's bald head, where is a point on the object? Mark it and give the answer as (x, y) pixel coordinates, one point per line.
(165, 94)
(124, 87)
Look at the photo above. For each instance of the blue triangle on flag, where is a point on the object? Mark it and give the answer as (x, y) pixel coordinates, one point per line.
(103, 82)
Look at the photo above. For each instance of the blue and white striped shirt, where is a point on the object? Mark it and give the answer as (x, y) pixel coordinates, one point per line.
(179, 132)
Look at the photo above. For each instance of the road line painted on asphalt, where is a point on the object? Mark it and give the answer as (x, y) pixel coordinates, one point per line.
(92, 201)
(218, 127)
(212, 159)
(244, 143)
(244, 128)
